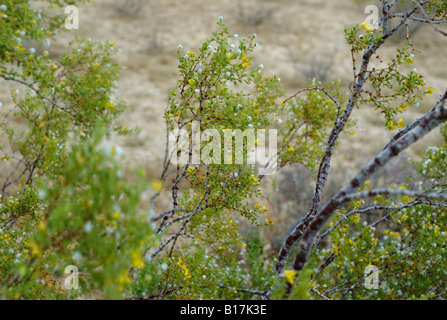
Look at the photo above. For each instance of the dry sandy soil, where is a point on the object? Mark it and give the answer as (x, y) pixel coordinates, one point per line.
(289, 37)
(292, 34)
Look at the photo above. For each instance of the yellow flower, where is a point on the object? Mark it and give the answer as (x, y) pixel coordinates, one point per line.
(401, 123)
(191, 169)
(156, 185)
(110, 105)
(35, 250)
(183, 266)
(403, 106)
(42, 226)
(367, 27)
(409, 60)
(290, 275)
(430, 90)
(116, 215)
(245, 62)
(269, 222)
(255, 180)
(291, 149)
(5, 236)
(137, 261)
(191, 54)
(391, 125)
(123, 129)
(122, 279)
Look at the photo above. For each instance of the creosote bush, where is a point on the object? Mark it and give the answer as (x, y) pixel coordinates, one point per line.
(67, 200)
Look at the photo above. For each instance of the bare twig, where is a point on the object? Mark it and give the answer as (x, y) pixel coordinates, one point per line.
(320, 294)
(256, 292)
(429, 20)
(363, 211)
(197, 209)
(29, 85)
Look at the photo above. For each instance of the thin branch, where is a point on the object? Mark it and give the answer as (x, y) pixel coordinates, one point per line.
(308, 228)
(161, 215)
(185, 216)
(320, 294)
(323, 170)
(363, 211)
(152, 296)
(429, 20)
(29, 85)
(7, 182)
(385, 18)
(256, 292)
(196, 210)
(391, 192)
(426, 20)
(405, 17)
(312, 89)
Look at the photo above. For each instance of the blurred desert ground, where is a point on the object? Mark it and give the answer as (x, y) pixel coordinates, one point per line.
(297, 39)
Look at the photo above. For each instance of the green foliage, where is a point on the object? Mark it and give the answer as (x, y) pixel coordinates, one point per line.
(200, 273)
(67, 200)
(307, 122)
(389, 84)
(205, 95)
(105, 214)
(90, 204)
(438, 8)
(73, 205)
(409, 250)
(22, 21)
